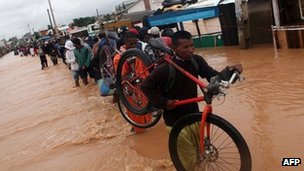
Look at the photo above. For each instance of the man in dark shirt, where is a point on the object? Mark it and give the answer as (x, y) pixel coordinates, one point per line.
(154, 86)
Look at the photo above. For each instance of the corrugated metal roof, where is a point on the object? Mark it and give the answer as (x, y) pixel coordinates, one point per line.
(136, 16)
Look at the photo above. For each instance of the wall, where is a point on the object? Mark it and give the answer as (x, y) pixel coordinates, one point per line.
(290, 12)
(206, 26)
(228, 24)
(260, 18)
(140, 6)
(155, 4)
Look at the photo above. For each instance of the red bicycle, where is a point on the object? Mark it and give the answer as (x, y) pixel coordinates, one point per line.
(199, 141)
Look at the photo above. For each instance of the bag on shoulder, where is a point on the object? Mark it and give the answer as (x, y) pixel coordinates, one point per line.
(104, 89)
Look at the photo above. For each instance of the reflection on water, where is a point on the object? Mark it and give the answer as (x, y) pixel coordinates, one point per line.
(47, 124)
(268, 107)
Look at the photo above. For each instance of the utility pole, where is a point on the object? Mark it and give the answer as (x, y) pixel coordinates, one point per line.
(98, 16)
(147, 5)
(98, 19)
(51, 23)
(242, 20)
(55, 25)
(97, 13)
(29, 29)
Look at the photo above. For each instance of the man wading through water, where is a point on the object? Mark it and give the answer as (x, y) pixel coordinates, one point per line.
(182, 88)
(155, 86)
(83, 57)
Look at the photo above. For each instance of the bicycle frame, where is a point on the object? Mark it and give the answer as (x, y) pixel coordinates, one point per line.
(137, 67)
(104, 67)
(207, 109)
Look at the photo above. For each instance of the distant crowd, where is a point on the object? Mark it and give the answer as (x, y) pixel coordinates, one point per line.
(82, 55)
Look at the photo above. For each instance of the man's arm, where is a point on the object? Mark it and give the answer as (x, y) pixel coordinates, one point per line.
(205, 71)
(152, 84)
(95, 49)
(89, 56)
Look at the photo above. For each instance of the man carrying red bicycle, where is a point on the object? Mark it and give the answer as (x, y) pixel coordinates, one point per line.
(163, 89)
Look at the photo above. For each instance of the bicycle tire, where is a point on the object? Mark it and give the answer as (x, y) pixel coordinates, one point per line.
(106, 66)
(105, 52)
(136, 107)
(190, 125)
(148, 124)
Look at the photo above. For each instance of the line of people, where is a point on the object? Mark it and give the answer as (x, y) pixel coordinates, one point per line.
(83, 56)
(86, 53)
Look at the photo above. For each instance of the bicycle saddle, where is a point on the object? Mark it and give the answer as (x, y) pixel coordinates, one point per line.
(157, 43)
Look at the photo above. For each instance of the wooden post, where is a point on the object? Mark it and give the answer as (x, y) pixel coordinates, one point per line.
(147, 5)
(242, 19)
(276, 13)
(181, 25)
(274, 38)
(300, 37)
(198, 32)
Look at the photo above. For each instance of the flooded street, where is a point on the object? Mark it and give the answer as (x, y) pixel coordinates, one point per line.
(46, 124)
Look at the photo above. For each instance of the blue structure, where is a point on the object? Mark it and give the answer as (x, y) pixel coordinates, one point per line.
(186, 15)
(183, 15)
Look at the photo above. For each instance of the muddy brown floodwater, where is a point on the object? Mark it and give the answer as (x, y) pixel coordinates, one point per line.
(46, 124)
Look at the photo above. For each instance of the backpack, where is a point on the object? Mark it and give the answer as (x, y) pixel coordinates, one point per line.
(171, 75)
(146, 48)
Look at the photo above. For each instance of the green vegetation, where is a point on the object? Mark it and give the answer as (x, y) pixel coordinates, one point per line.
(82, 22)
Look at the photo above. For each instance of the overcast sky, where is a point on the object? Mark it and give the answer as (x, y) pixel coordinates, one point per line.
(16, 15)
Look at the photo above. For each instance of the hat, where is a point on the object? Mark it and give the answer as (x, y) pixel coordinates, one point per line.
(133, 30)
(167, 41)
(167, 32)
(154, 31)
(69, 45)
(122, 30)
(76, 41)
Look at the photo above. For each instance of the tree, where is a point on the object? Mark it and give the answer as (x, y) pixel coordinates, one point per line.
(49, 27)
(81, 22)
(36, 35)
(107, 17)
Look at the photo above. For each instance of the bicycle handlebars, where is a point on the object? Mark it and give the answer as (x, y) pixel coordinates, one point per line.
(215, 85)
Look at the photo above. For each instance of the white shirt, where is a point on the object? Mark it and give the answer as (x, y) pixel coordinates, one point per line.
(71, 59)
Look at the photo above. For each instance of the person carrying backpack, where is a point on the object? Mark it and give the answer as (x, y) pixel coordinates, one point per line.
(164, 89)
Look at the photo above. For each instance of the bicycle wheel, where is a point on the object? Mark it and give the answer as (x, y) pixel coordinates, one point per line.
(104, 54)
(106, 65)
(225, 149)
(144, 121)
(132, 69)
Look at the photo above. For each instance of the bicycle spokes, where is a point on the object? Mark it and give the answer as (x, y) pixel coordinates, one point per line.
(220, 153)
(134, 95)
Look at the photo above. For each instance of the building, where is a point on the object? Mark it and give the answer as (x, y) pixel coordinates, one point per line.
(43, 32)
(124, 7)
(135, 10)
(2, 43)
(288, 23)
(3, 47)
